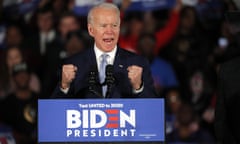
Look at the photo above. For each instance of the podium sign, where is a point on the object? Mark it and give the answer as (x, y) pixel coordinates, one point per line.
(101, 120)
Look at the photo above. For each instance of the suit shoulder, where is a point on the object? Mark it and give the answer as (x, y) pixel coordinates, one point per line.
(126, 52)
(131, 54)
(230, 68)
(232, 64)
(76, 57)
(134, 59)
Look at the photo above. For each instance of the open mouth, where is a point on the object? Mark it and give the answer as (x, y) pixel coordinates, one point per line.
(108, 40)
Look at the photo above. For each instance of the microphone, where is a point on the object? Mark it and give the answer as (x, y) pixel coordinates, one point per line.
(92, 80)
(109, 79)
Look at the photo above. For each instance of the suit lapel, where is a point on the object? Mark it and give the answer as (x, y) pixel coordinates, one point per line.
(121, 75)
(91, 57)
(90, 63)
(93, 63)
(122, 85)
(120, 62)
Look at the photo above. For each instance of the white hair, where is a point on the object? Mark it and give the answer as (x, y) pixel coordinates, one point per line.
(109, 6)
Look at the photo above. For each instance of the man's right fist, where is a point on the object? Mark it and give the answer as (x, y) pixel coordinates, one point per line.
(68, 74)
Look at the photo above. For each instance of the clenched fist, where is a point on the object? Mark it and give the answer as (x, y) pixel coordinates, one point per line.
(135, 76)
(68, 74)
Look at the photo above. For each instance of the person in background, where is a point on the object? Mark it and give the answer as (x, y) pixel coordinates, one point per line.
(46, 31)
(227, 108)
(187, 129)
(188, 53)
(135, 27)
(68, 22)
(75, 43)
(227, 45)
(173, 103)
(162, 72)
(14, 36)
(59, 7)
(60, 49)
(19, 109)
(40, 38)
(14, 56)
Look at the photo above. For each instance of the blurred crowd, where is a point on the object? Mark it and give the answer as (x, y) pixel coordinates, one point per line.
(185, 45)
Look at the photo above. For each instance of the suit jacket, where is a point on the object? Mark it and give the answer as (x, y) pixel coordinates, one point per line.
(227, 114)
(122, 88)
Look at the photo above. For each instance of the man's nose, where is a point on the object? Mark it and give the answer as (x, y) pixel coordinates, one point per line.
(109, 29)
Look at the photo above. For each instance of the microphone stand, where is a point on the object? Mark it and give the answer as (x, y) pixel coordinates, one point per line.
(109, 80)
(92, 80)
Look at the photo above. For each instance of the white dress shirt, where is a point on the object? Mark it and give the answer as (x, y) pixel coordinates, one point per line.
(44, 39)
(110, 59)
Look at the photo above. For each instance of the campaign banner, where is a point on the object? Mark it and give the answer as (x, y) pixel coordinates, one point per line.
(150, 5)
(101, 120)
(19, 7)
(82, 6)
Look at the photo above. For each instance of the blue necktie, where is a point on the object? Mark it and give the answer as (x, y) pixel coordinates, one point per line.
(102, 74)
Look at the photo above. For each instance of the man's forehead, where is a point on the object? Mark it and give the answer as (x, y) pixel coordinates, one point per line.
(105, 17)
(104, 10)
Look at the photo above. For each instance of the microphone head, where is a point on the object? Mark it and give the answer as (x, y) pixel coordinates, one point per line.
(92, 74)
(109, 75)
(109, 69)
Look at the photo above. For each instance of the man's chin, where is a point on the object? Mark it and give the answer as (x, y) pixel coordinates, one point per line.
(108, 48)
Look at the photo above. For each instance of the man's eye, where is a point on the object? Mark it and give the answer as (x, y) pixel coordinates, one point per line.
(103, 25)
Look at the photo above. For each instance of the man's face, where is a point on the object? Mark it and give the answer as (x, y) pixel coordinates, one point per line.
(74, 45)
(67, 25)
(45, 21)
(146, 46)
(13, 36)
(14, 56)
(104, 28)
(22, 80)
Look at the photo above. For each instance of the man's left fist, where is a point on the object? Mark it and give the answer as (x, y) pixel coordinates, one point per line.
(135, 76)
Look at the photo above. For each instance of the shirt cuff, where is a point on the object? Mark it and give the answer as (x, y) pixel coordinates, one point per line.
(65, 91)
(138, 90)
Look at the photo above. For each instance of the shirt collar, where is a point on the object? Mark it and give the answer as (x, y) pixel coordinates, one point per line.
(48, 36)
(99, 52)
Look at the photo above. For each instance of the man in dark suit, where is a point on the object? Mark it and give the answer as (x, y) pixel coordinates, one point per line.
(131, 73)
(227, 119)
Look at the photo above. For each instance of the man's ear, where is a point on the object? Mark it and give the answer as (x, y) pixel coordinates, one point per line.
(90, 30)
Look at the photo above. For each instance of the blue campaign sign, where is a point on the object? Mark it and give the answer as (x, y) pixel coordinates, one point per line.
(150, 5)
(82, 7)
(101, 120)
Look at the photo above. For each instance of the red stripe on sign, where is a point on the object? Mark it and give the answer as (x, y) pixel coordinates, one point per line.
(112, 111)
(113, 118)
(112, 125)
